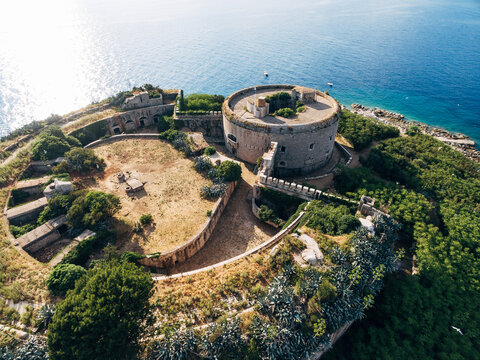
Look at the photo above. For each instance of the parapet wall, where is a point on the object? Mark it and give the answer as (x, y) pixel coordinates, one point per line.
(302, 191)
(185, 251)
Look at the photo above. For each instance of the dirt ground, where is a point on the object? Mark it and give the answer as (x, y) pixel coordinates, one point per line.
(171, 195)
(237, 231)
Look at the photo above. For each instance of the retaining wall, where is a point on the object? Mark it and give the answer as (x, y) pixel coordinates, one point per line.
(211, 123)
(196, 242)
(270, 242)
(114, 138)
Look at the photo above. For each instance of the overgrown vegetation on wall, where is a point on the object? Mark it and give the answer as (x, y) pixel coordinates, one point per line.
(91, 132)
(52, 143)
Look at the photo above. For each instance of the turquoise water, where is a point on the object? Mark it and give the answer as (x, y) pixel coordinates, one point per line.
(420, 58)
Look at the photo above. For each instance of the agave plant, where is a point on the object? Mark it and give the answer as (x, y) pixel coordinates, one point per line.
(34, 348)
(221, 341)
(178, 345)
(45, 316)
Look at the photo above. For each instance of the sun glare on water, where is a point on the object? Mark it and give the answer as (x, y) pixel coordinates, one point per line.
(46, 48)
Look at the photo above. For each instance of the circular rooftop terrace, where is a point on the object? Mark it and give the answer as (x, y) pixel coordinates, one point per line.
(320, 108)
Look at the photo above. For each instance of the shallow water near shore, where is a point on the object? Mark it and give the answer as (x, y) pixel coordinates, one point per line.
(419, 58)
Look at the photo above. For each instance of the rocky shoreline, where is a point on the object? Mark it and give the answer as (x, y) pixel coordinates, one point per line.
(458, 141)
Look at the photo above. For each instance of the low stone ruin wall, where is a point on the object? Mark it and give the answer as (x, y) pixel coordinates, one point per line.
(185, 251)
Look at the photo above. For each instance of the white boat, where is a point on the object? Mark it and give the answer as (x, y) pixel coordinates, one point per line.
(330, 84)
(265, 73)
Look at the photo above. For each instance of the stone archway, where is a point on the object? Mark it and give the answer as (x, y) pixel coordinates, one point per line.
(142, 121)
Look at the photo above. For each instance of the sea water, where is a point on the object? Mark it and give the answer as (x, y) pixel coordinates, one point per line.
(416, 57)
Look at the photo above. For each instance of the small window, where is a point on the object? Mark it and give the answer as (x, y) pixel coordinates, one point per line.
(282, 163)
(283, 149)
(312, 145)
(232, 137)
(330, 137)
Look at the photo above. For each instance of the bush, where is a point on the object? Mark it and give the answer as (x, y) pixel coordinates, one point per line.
(119, 98)
(284, 112)
(210, 150)
(329, 219)
(169, 134)
(266, 214)
(80, 160)
(203, 102)
(360, 131)
(165, 123)
(146, 219)
(53, 143)
(63, 277)
(279, 100)
(90, 210)
(229, 170)
(301, 109)
(18, 231)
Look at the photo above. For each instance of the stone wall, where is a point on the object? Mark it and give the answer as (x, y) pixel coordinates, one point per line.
(185, 251)
(135, 119)
(210, 124)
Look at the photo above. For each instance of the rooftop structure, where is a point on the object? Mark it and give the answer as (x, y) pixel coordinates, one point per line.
(32, 186)
(305, 140)
(22, 214)
(41, 236)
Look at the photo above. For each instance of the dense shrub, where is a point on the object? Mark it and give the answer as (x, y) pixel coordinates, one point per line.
(329, 219)
(80, 160)
(165, 123)
(266, 214)
(278, 101)
(203, 102)
(169, 134)
(18, 231)
(146, 219)
(209, 150)
(284, 112)
(229, 170)
(118, 99)
(52, 143)
(63, 277)
(81, 253)
(91, 209)
(360, 131)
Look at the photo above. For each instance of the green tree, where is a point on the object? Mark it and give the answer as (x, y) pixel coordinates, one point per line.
(63, 277)
(229, 170)
(80, 160)
(89, 210)
(104, 316)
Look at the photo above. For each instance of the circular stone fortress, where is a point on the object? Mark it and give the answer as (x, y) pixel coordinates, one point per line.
(251, 122)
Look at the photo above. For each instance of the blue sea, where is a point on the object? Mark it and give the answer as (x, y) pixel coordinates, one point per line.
(417, 57)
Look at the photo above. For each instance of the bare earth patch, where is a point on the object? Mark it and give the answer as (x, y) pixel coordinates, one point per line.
(171, 195)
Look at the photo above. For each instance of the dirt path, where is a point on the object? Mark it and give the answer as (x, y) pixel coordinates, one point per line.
(237, 231)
